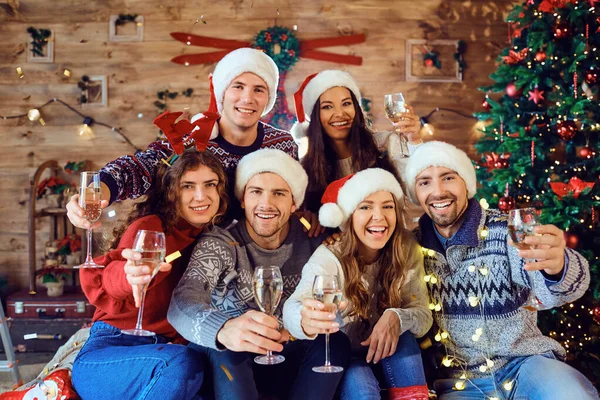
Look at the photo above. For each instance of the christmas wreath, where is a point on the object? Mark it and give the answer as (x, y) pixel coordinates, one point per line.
(280, 44)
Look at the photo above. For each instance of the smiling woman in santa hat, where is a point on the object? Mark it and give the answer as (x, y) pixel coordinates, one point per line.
(330, 117)
(380, 268)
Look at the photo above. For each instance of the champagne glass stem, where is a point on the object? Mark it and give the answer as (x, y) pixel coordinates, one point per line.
(327, 362)
(138, 325)
(532, 286)
(88, 258)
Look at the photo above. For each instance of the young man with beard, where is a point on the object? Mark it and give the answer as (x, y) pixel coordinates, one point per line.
(494, 347)
(245, 88)
(213, 306)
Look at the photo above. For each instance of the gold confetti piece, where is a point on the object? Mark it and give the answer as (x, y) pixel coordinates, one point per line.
(224, 368)
(165, 162)
(304, 222)
(42, 122)
(27, 98)
(140, 24)
(20, 72)
(172, 257)
(67, 73)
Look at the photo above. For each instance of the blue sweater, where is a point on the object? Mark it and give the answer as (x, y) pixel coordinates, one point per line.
(481, 287)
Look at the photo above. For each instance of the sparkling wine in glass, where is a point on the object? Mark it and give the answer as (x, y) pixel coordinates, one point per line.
(326, 289)
(267, 285)
(90, 197)
(151, 245)
(394, 107)
(521, 223)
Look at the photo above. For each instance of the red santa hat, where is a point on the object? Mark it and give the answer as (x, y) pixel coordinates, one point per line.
(311, 89)
(343, 196)
(243, 60)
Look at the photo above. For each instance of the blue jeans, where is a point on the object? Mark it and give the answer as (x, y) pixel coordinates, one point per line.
(539, 377)
(236, 376)
(112, 365)
(404, 368)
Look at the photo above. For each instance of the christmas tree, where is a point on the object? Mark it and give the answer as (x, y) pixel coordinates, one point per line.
(540, 144)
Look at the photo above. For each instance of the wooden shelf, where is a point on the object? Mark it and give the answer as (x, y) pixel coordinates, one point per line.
(54, 211)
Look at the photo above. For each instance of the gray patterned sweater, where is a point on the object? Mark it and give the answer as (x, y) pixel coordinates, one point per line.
(481, 286)
(217, 284)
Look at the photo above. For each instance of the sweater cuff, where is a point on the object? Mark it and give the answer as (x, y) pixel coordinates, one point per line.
(570, 274)
(109, 181)
(403, 322)
(210, 328)
(558, 278)
(413, 147)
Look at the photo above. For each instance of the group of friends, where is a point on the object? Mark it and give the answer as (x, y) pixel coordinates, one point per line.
(237, 206)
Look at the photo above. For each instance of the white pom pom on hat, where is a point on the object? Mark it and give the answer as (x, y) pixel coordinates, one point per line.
(343, 195)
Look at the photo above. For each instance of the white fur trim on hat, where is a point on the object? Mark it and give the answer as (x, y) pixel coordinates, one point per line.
(324, 81)
(439, 154)
(360, 186)
(277, 162)
(299, 130)
(245, 60)
(215, 129)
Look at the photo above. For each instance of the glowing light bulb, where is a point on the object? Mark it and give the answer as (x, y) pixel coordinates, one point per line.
(34, 115)
(428, 128)
(85, 130)
(459, 385)
(447, 362)
(508, 386)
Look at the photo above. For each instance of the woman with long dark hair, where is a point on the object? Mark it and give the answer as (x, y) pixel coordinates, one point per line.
(188, 196)
(379, 265)
(328, 107)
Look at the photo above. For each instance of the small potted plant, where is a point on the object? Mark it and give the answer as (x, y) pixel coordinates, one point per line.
(53, 189)
(53, 277)
(69, 248)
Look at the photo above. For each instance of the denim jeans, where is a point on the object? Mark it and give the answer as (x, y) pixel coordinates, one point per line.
(539, 377)
(113, 365)
(236, 376)
(404, 368)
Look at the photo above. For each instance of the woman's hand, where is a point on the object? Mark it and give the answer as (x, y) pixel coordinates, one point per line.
(138, 275)
(384, 338)
(75, 214)
(318, 317)
(409, 126)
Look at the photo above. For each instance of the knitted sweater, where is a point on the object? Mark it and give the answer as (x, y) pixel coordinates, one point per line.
(413, 312)
(130, 176)
(108, 290)
(217, 284)
(481, 284)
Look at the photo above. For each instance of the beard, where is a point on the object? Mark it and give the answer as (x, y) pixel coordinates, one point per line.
(451, 217)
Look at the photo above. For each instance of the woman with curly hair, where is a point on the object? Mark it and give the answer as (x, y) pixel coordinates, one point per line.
(379, 265)
(187, 197)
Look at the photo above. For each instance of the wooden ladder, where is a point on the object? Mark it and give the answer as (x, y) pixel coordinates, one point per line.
(11, 363)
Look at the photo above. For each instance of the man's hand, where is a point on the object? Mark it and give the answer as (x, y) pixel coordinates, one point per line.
(255, 332)
(75, 214)
(409, 126)
(318, 317)
(313, 219)
(138, 275)
(384, 338)
(547, 248)
(330, 240)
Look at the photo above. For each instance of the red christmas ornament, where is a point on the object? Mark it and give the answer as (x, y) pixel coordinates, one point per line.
(540, 56)
(572, 240)
(597, 314)
(561, 31)
(507, 203)
(511, 90)
(486, 106)
(591, 77)
(566, 130)
(536, 96)
(429, 62)
(496, 161)
(586, 152)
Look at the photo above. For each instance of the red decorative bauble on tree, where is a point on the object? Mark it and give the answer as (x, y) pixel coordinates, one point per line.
(566, 130)
(540, 56)
(507, 203)
(486, 106)
(586, 152)
(596, 312)
(429, 62)
(591, 77)
(572, 240)
(511, 90)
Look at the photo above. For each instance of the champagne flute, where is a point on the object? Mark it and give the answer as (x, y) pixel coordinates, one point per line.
(326, 289)
(267, 285)
(151, 245)
(90, 197)
(394, 107)
(521, 223)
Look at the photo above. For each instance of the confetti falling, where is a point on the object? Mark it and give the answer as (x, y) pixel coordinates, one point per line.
(20, 72)
(67, 73)
(224, 368)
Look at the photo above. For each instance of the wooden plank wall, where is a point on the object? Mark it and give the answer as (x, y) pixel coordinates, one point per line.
(137, 70)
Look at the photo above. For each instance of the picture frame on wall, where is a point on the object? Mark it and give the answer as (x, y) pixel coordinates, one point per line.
(96, 92)
(48, 49)
(131, 31)
(417, 69)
